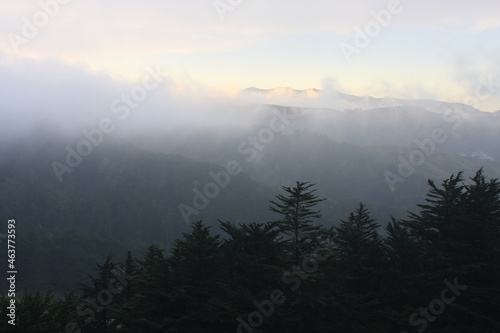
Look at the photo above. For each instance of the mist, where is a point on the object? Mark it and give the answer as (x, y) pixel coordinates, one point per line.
(228, 165)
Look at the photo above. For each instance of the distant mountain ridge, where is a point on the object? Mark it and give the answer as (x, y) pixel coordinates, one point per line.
(341, 101)
(347, 153)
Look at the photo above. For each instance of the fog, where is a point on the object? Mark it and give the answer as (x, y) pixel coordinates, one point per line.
(218, 152)
(169, 112)
(35, 91)
(277, 135)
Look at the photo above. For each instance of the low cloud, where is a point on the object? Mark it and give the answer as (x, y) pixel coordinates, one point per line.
(37, 92)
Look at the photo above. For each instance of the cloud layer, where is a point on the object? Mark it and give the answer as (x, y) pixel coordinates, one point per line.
(419, 54)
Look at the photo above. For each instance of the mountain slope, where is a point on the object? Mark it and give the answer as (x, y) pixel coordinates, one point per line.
(119, 191)
(341, 101)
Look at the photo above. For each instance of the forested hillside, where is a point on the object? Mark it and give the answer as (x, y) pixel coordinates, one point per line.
(436, 270)
(250, 166)
(121, 197)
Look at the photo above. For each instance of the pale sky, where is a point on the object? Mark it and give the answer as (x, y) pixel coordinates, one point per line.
(440, 49)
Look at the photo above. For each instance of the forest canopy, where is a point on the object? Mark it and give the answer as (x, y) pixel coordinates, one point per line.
(436, 270)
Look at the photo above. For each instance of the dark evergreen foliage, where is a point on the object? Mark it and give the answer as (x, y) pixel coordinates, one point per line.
(297, 211)
(437, 271)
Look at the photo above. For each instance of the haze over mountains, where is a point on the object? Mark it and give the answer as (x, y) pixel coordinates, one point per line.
(175, 159)
(347, 152)
(337, 100)
(379, 151)
(356, 148)
(250, 166)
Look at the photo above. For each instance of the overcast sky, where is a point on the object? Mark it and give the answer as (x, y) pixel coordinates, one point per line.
(441, 49)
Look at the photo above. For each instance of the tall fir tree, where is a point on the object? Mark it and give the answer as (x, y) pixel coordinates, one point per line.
(198, 275)
(297, 211)
(479, 255)
(253, 253)
(405, 261)
(359, 273)
(98, 299)
(458, 232)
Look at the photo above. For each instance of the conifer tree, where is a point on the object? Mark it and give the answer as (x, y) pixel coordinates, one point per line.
(435, 224)
(147, 298)
(358, 234)
(478, 255)
(458, 232)
(253, 253)
(98, 298)
(359, 272)
(297, 211)
(404, 263)
(199, 278)
(129, 268)
(480, 206)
